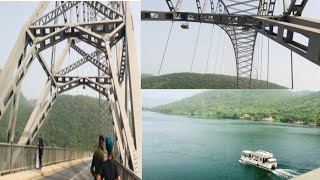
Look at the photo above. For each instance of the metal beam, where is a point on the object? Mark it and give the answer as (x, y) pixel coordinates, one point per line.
(58, 11)
(296, 9)
(285, 31)
(209, 18)
(13, 116)
(134, 87)
(120, 101)
(90, 58)
(17, 52)
(116, 26)
(307, 27)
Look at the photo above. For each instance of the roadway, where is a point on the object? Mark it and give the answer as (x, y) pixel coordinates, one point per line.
(79, 171)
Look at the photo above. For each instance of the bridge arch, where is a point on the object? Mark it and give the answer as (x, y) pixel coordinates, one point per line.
(108, 27)
(242, 24)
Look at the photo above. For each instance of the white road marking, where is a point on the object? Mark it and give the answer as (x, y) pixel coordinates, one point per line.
(80, 172)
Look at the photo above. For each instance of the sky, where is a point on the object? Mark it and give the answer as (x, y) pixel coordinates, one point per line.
(14, 14)
(181, 46)
(156, 97)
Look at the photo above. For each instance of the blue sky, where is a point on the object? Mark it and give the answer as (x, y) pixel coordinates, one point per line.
(13, 15)
(181, 46)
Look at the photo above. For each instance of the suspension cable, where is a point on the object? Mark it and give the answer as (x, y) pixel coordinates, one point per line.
(225, 70)
(257, 56)
(223, 53)
(268, 64)
(261, 57)
(209, 50)
(291, 70)
(195, 47)
(215, 64)
(165, 50)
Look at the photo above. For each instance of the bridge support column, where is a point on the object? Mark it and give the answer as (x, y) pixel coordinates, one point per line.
(13, 116)
(135, 86)
(119, 99)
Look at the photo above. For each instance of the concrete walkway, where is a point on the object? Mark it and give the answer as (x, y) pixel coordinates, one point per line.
(46, 170)
(314, 174)
(79, 171)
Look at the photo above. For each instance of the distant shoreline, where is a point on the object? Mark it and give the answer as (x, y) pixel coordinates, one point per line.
(261, 120)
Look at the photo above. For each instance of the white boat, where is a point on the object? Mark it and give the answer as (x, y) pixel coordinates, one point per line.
(261, 159)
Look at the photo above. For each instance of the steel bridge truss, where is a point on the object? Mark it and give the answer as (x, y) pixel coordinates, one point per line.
(105, 26)
(242, 20)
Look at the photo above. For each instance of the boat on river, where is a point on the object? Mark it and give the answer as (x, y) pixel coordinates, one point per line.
(260, 159)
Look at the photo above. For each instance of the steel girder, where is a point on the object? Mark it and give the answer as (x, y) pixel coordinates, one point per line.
(117, 82)
(93, 60)
(243, 39)
(278, 28)
(296, 9)
(82, 61)
(242, 29)
(170, 5)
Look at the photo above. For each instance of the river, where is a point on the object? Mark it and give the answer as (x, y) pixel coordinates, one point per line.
(177, 147)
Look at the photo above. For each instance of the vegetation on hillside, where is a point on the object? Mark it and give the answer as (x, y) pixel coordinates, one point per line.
(144, 75)
(198, 81)
(73, 122)
(279, 105)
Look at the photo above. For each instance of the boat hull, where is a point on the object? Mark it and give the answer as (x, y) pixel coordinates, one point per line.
(257, 164)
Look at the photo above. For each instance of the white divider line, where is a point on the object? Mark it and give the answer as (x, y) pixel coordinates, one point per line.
(80, 172)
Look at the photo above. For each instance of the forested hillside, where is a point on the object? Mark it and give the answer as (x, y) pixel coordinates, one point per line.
(198, 81)
(280, 105)
(73, 122)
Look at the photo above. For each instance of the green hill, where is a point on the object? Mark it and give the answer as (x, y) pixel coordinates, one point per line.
(73, 122)
(198, 81)
(145, 75)
(281, 105)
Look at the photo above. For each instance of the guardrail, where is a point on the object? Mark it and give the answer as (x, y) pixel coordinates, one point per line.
(25, 157)
(126, 173)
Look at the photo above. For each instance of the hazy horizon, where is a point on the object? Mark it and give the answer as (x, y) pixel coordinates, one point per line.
(157, 97)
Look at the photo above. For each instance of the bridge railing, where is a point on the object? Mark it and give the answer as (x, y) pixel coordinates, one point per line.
(126, 173)
(25, 157)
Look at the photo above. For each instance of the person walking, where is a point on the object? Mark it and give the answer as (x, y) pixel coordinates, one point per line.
(40, 148)
(98, 158)
(109, 169)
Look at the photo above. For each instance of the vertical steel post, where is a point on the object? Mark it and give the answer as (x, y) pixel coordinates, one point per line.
(291, 70)
(10, 161)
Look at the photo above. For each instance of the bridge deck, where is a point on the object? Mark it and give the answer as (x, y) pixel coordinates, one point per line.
(78, 171)
(55, 171)
(314, 174)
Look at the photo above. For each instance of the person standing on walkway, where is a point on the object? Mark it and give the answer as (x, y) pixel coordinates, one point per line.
(40, 152)
(98, 158)
(109, 169)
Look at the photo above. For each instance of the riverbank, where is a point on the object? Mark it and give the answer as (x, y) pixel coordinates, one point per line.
(266, 119)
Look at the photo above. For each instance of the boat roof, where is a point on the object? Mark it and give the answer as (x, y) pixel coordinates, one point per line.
(272, 159)
(263, 154)
(247, 152)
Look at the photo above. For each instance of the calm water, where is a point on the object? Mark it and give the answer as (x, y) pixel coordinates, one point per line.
(177, 147)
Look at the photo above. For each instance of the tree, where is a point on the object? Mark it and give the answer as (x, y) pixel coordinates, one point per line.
(315, 119)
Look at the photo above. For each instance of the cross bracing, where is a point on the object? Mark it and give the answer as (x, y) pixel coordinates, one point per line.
(243, 19)
(104, 27)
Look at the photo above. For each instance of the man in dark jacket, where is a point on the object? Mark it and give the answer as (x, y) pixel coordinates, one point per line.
(109, 169)
(40, 149)
(98, 158)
